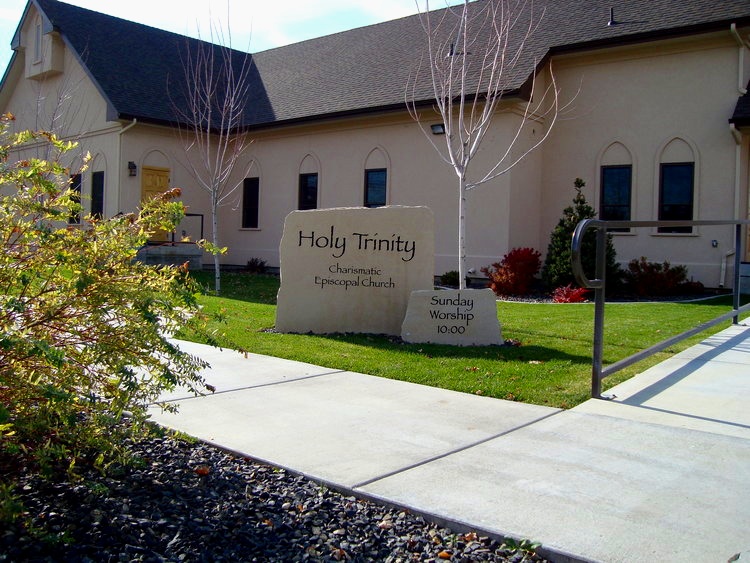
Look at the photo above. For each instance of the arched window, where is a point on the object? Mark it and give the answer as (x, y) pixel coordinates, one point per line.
(98, 167)
(251, 198)
(37, 40)
(676, 185)
(616, 184)
(376, 179)
(308, 183)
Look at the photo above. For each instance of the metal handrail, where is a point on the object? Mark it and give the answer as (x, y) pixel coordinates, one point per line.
(598, 284)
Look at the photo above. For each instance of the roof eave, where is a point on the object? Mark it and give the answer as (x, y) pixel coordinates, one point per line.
(645, 37)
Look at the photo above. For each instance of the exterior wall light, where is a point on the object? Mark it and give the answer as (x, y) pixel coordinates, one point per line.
(437, 129)
(132, 169)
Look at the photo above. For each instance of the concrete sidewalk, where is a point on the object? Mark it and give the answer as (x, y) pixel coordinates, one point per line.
(660, 473)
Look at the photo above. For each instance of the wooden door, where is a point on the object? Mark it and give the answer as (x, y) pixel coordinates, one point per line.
(154, 182)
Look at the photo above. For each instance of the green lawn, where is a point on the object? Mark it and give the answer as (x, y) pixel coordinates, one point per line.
(552, 366)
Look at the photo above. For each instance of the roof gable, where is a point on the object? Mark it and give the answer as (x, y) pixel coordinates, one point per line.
(136, 67)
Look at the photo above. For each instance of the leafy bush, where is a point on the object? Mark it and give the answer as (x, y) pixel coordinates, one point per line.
(256, 266)
(646, 278)
(515, 273)
(558, 269)
(449, 278)
(84, 328)
(569, 294)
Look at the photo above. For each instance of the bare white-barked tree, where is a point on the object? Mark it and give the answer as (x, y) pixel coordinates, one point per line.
(475, 51)
(211, 123)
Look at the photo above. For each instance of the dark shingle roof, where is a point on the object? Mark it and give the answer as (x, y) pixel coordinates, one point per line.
(360, 70)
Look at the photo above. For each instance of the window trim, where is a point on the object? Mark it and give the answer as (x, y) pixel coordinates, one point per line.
(676, 230)
(602, 170)
(366, 202)
(37, 41)
(252, 183)
(102, 196)
(76, 186)
(301, 184)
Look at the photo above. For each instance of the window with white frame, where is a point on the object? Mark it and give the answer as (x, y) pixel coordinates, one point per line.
(616, 194)
(308, 191)
(676, 187)
(97, 194)
(376, 180)
(250, 203)
(75, 196)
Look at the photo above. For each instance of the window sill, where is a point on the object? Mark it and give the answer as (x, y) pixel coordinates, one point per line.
(675, 235)
(250, 229)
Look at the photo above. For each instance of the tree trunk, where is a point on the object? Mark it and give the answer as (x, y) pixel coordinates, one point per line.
(215, 228)
(462, 233)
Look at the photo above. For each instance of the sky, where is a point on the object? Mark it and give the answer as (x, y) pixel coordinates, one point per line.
(255, 25)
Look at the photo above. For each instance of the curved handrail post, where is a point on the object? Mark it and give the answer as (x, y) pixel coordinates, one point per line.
(575, 249)
(599, 298)
(598, 372)
(598, 285)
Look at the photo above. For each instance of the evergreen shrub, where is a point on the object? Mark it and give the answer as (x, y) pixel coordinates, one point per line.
(558, 268)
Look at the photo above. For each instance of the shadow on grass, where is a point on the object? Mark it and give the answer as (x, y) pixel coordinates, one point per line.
(251, 288)
(505, 353)
(725, 300)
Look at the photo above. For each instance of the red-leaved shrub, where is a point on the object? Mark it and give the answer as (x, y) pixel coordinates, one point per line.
(569, 294)
(646, 278)
(515, 273)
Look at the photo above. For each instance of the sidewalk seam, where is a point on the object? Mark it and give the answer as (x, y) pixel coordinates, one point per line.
(452, 452)
(259, 386)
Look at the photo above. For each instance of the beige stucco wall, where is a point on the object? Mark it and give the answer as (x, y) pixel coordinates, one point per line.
(638, 101)
(63, 100)
(641, 104)
(342, 150)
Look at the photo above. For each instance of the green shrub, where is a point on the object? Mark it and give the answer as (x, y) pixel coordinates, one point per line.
(11, 506)
(514, 274)
(256, 266)
(646, 278)
(84, 328)
(558, 269)
(449, 278)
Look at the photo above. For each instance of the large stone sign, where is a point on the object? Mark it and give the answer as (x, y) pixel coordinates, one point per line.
(464, 317)
(353, 269)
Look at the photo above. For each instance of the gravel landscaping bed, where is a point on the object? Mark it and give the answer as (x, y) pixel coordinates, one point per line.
(192, 502)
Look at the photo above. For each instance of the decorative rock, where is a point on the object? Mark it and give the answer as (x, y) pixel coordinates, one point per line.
(218, 517)
(461, 317)
(353, 269)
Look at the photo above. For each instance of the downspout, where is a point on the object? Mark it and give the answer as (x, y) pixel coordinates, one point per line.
(723, 276)
(737, 135)
(741, 65)
(119, 162)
